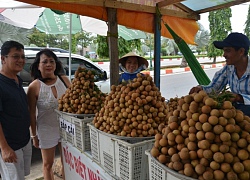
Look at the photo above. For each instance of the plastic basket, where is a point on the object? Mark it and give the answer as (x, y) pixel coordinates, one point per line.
(81, 137)
(158, 171)
(80, 116)
(121, 158)
(94, 138)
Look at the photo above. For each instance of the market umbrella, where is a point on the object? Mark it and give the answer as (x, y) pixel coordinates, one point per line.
(57, 22)
(100, 27)
(52, 22)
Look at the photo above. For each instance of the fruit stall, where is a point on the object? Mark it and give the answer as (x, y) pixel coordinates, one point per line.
(115, 149)
(133, 133)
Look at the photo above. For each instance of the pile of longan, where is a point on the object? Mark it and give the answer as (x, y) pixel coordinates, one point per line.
(133, 109)
(83, 96)
(205, 141)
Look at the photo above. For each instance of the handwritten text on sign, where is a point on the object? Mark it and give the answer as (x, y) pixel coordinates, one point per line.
(80, 166)
(67, 126)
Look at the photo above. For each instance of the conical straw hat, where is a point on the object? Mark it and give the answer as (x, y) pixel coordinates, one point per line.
(141, 60)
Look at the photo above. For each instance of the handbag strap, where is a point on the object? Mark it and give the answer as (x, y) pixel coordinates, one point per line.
(62, 81)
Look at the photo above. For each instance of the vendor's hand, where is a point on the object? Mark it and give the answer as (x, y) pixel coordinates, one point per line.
(195, 89)
(35, 142)
(8, 155)
(237, 98)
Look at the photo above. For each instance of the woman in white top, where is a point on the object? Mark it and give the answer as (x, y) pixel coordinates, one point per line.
(43, 94)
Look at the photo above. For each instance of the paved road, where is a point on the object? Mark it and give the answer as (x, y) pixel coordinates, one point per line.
(179, 84)
(168, 62)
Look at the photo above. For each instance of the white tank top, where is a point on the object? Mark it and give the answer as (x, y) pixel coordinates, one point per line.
(47, 123)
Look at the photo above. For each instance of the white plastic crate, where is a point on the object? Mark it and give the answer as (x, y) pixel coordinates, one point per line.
(79, 136)
(94, 138)
(122, 158)
(94, 141)
(158, 171)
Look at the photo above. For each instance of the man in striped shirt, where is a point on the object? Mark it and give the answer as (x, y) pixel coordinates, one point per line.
(236, 73)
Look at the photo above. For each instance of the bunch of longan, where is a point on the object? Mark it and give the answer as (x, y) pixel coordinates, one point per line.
(133, 109)
(83, 96)
(205, 139)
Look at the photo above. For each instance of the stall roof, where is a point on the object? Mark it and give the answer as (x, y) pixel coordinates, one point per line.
(180, 15)
(179, 8)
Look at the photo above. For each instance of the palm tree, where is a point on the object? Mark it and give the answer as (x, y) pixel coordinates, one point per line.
(9, 32)
(247, 24)
(171, 47)
(202, 38)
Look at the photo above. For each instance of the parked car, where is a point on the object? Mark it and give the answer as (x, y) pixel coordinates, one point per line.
(101, 78)
(41, 48)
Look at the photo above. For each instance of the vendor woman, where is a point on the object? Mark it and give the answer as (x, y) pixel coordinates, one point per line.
(131, 64)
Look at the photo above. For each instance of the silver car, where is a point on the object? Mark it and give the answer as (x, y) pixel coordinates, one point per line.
(101, 79)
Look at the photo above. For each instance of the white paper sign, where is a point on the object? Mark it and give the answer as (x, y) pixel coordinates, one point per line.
(79, 166)
(67, 126)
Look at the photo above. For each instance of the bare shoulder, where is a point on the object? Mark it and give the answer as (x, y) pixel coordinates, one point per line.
(34, 83)
(33, 87)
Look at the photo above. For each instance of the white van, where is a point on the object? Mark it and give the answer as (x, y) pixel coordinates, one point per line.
(101, 79)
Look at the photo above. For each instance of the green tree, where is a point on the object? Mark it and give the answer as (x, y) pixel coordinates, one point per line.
(102, 46)
(247, 23)
(128, 46)
(149, 43)
(84, 39)
(62, 41)
(201, 38)
(220, 27)
(123, 46)
(171, 48)
(41, 39)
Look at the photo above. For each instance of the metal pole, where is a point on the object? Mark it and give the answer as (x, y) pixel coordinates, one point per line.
(150, 55)
(70, 42)
(157, 51)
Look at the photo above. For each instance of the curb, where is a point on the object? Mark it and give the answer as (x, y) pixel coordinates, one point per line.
(185, 69)
(170, 59)
(171, 69)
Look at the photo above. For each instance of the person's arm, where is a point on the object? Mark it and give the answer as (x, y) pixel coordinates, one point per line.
(217, 84)
(32, 95)
(246, 99)
(195, 89)
(219, 81)
(240, 90)
(242, 98)
(8, 154)
(238, 98)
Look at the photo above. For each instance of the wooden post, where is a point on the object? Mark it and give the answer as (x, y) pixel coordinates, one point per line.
(113, 46)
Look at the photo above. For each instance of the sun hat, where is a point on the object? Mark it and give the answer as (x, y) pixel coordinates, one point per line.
(233, 40)
(141, 60)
